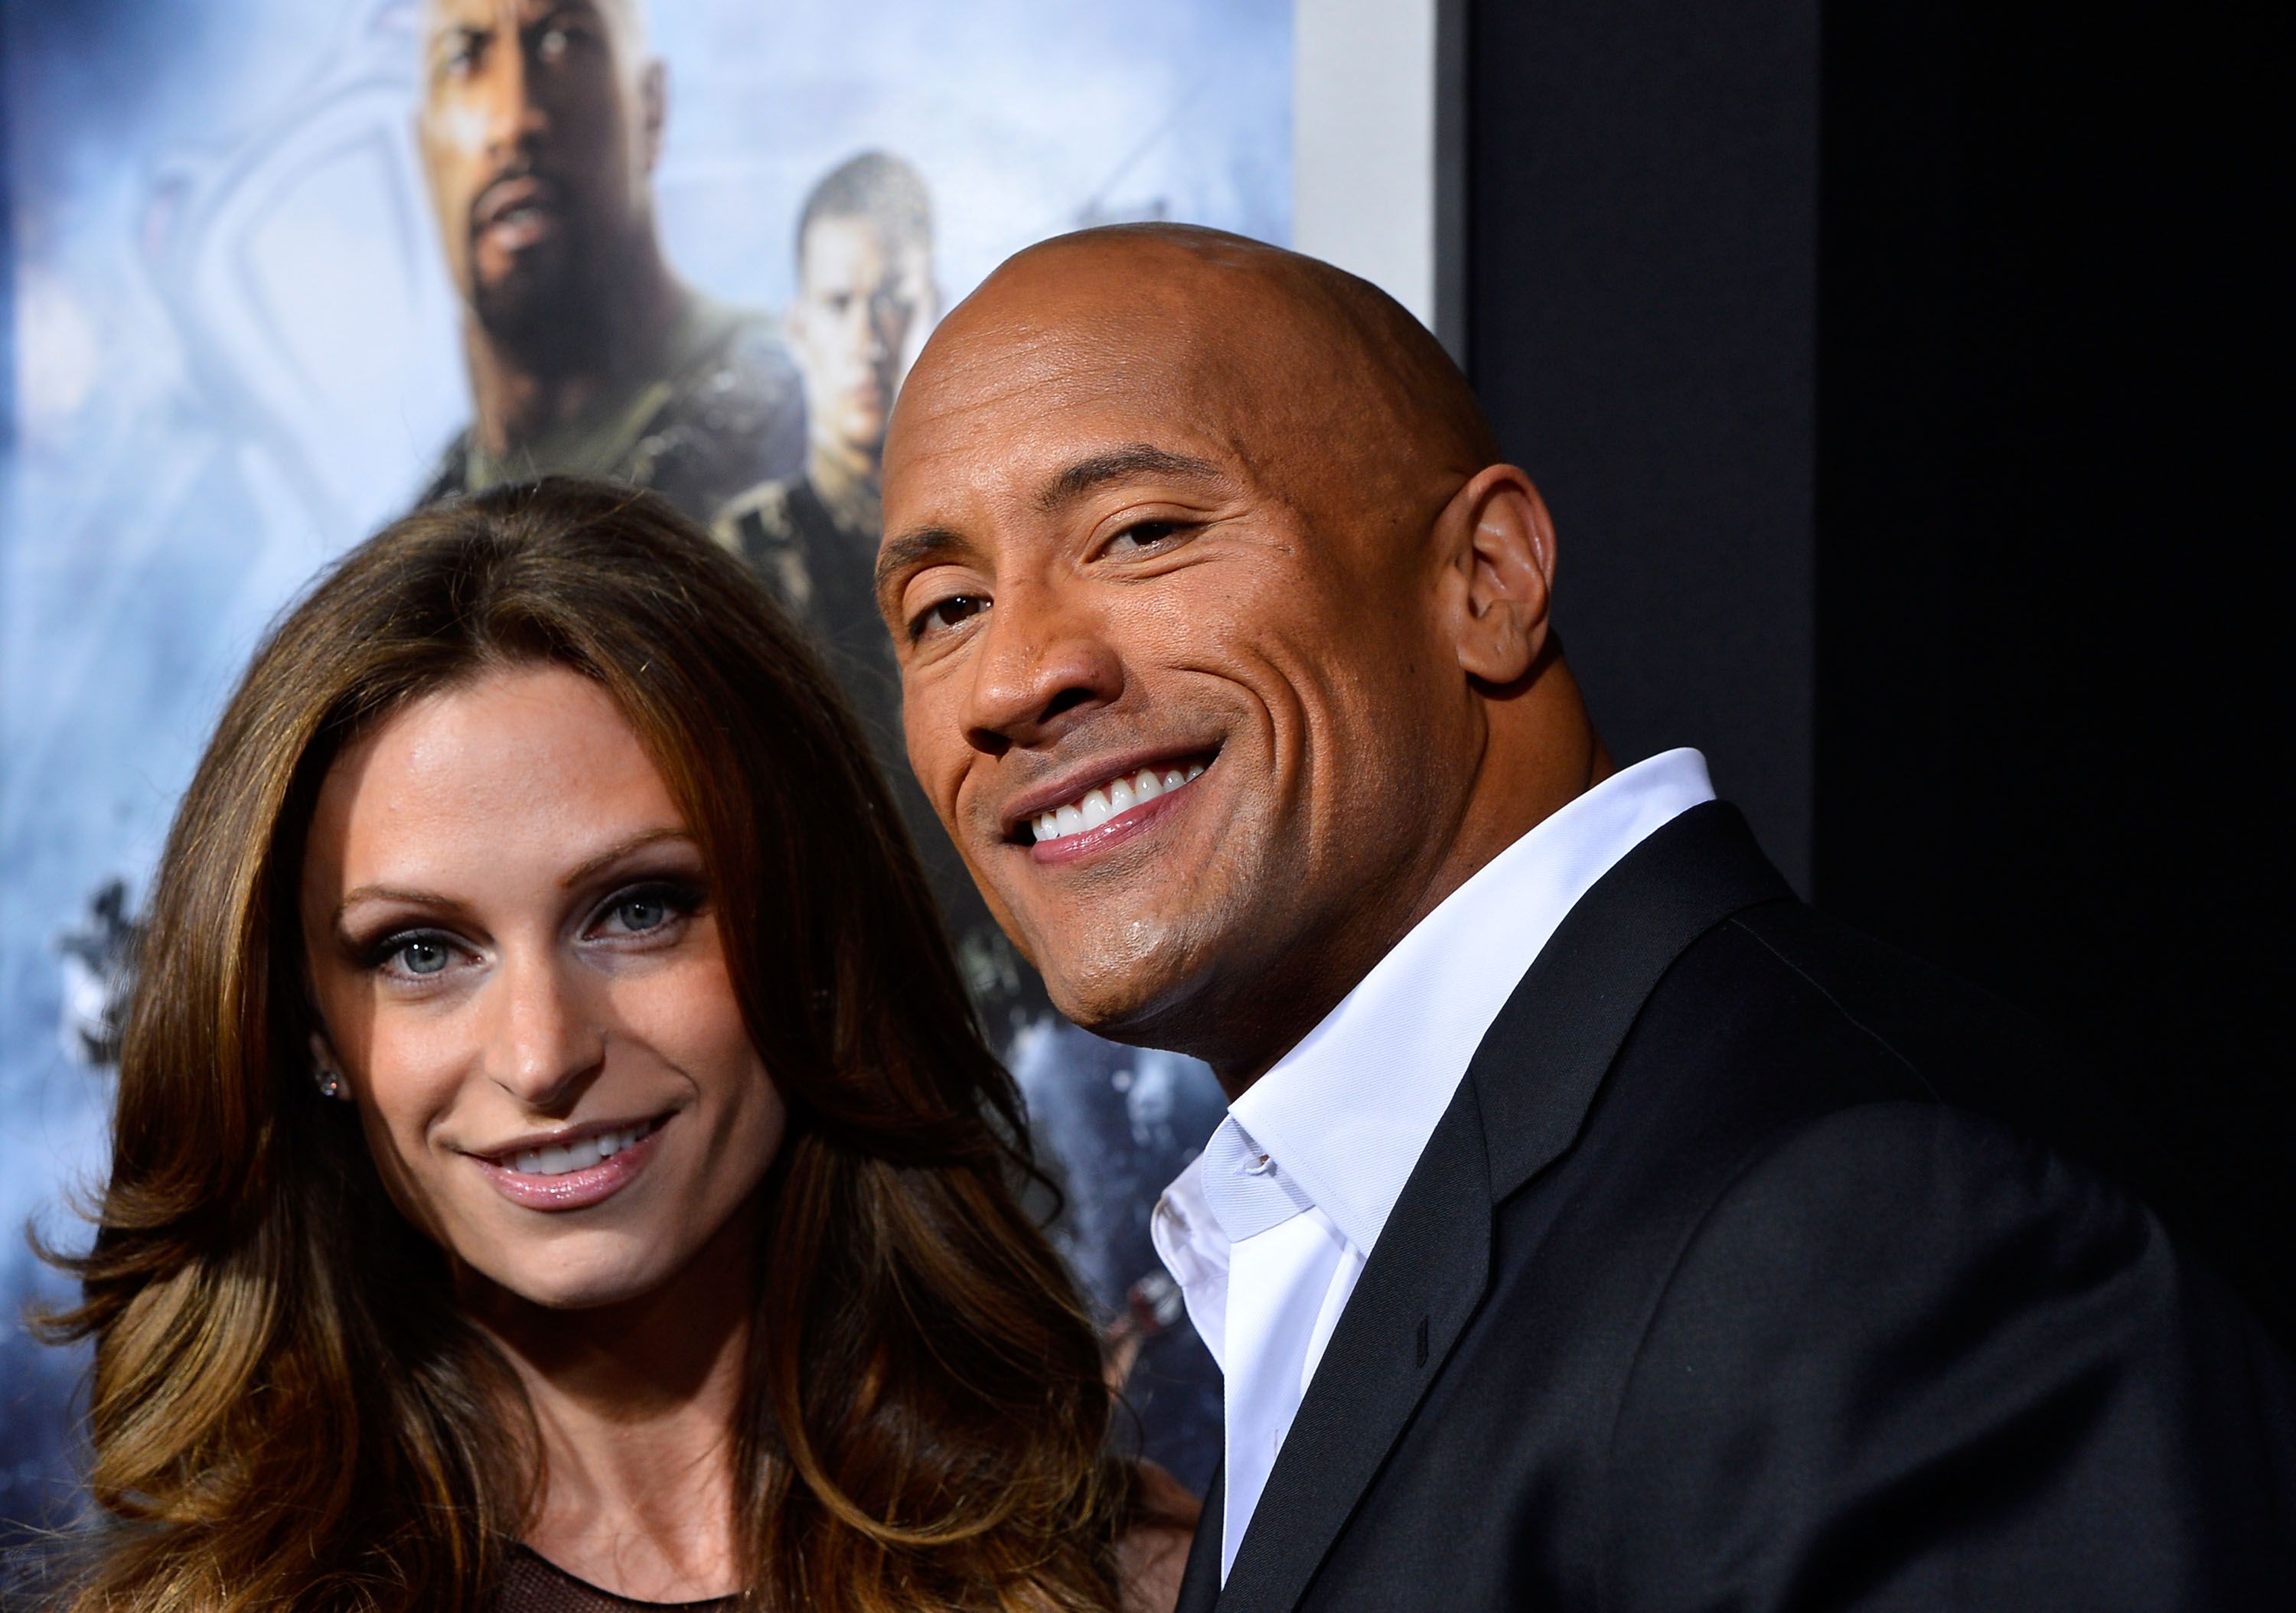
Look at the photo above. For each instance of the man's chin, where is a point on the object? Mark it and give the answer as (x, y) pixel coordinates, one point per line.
(1143, 1001)
(530, 310)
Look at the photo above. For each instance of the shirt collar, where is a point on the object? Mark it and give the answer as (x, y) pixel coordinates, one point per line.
(1349, 1111)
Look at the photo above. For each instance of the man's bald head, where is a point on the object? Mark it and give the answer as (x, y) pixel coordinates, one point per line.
(1331, 372)
(1224, 636)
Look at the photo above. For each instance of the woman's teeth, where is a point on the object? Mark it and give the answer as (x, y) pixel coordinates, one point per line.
(1096, 806)
(579, 1156)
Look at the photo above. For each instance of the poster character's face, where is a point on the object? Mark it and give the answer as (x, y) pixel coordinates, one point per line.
(864, 302)
(539, 128)
(513, 947)
(1169, 676)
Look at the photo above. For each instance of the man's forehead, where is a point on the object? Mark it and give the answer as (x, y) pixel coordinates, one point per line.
(1012, 425)
(1081, 368)
(1291, 376)
(850, 241)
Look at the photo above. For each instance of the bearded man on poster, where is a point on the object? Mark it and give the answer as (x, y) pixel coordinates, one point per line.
(540, 124)
(1594, 1225)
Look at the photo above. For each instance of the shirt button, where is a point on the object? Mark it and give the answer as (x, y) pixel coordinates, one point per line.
(1259, 1167)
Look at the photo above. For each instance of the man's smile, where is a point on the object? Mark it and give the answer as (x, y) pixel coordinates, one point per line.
(1101, 803)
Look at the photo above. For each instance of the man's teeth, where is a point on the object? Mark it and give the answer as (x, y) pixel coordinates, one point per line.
(1096, 806)
(578, 1156)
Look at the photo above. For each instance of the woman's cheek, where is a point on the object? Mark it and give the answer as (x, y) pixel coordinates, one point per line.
(418, 1067)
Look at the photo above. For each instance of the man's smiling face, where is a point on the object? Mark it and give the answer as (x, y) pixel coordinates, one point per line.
(1174, 673)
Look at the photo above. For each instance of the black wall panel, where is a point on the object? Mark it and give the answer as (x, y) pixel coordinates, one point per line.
(2051, 695)
(1906, 382)
(1641, 280)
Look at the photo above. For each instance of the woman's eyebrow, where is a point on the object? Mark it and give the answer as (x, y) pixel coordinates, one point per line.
(574, 876)
(621, 849)
(392, 893)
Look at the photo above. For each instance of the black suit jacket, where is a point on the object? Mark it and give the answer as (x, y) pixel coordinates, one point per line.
(1723, 1284)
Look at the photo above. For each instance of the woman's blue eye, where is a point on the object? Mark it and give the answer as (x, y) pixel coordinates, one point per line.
(642, 912)
(423, 956)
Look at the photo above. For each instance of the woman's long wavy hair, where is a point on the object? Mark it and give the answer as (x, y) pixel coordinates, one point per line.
(288, 1408)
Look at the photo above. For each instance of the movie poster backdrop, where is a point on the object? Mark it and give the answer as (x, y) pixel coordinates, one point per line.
(246, 245)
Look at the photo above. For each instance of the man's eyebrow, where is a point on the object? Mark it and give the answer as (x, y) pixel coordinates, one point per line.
(457, 35)
(1133, 459)
(913, 549)
(929, 544)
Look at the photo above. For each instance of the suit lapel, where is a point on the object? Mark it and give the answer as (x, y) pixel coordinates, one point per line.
(1545, 1056)
(1525, 1096)
(1422, 1284)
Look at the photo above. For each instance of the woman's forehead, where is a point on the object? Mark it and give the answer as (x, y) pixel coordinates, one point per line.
(515, 770)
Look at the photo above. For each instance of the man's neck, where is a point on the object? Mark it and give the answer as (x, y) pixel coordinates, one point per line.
(1542, 755)
(519, 395)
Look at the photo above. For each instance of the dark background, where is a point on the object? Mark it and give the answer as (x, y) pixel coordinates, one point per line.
(1898, 375)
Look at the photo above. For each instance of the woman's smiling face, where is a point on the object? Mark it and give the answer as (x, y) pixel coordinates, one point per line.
(513, 947)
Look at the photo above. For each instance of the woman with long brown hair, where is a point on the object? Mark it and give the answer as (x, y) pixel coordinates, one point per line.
(556, 1166)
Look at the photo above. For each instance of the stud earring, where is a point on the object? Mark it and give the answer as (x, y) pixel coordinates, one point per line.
(329, 1082)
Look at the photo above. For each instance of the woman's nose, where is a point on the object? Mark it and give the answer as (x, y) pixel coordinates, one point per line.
(545, 1043)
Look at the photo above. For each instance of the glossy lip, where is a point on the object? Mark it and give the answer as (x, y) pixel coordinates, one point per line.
(572, 1190)
(1070, 786)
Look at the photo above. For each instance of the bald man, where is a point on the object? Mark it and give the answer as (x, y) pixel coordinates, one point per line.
(539, 127)
(1594, 1225)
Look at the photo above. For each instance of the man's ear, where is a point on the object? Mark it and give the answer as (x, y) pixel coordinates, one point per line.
(1499, 544)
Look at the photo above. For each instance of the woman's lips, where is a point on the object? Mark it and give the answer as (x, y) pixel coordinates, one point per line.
(572, 1190)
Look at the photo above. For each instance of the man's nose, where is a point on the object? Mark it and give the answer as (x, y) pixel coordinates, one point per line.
(885, 326)
(1040, 665)
(514, 117)
(544, 1044)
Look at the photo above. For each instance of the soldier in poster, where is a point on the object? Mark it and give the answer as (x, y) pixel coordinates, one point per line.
(539, 127)
(866, 298)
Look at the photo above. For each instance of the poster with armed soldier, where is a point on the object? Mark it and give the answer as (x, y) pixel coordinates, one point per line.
(275, 273)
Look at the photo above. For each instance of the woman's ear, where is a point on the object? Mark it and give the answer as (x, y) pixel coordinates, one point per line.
(1501, 548)
(326, 1069)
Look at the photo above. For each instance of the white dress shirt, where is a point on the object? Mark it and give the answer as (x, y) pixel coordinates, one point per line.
(1268, 1228)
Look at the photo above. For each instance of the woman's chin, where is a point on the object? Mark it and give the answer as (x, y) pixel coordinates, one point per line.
(586, 1293)
(563, 1280)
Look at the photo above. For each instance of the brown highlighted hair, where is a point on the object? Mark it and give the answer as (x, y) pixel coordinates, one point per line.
(289, 1411)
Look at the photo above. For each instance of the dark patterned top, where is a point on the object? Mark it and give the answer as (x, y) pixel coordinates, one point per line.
(535, 1585)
